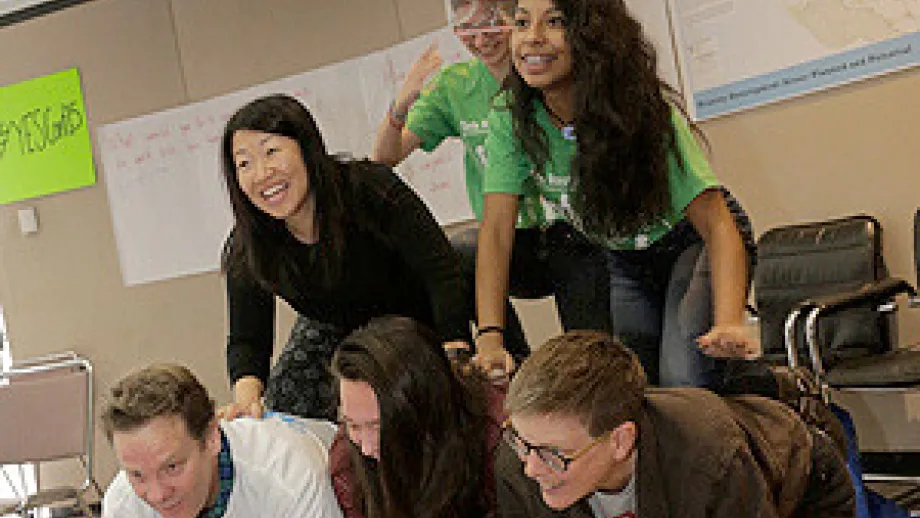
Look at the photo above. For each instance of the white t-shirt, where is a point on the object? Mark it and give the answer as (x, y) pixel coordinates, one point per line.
(615, 505)
(279, 472)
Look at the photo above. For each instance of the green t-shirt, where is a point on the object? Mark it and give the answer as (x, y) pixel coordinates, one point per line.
(456, 103)
(510, 171)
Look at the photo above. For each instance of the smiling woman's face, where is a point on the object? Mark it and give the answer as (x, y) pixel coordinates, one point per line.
(484, 33)
(539, 50)
(271, 172)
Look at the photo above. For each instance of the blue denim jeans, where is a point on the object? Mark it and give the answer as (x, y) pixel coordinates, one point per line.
(660, 302)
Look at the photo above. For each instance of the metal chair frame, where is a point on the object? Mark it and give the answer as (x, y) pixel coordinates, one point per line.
(881, 295)
(47, 365)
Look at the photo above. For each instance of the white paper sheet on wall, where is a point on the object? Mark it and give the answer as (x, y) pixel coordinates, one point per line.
(6, 355)
(740, 54)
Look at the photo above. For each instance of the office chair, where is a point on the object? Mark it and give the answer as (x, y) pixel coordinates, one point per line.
(797, 262)
(831, 279)
(46, 414)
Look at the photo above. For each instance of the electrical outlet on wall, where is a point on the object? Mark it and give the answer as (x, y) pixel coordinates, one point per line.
(28, 221)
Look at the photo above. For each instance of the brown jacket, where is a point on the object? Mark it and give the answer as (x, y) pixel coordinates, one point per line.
(703, 456)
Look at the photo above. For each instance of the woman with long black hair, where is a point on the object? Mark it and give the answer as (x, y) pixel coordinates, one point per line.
(340, 240)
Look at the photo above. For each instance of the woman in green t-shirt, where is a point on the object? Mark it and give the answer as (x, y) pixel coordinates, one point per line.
(586, 120)
(455, 103)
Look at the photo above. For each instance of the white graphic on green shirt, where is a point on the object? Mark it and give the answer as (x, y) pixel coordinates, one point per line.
(510, 171)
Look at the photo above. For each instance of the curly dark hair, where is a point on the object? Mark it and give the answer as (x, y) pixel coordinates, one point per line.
(622, 119)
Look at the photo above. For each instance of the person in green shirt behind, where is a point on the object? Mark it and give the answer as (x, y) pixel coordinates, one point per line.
(456, 103)
(585, 120)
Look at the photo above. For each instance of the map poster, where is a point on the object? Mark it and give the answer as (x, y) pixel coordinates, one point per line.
(738, 54)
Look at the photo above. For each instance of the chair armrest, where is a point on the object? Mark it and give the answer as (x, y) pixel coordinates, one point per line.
(873, 293)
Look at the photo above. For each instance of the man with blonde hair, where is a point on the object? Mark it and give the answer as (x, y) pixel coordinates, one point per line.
(179, 462)
(587, 438)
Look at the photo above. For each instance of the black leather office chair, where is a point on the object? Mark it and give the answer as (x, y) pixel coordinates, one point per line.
(824, 294)
(798, 262)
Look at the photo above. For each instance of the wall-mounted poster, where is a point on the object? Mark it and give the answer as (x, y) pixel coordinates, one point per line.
(738, 54)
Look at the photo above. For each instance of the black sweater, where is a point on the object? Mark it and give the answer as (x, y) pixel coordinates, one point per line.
(396, 261)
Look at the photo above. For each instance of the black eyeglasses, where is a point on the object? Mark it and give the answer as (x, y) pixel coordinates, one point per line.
(548, 455)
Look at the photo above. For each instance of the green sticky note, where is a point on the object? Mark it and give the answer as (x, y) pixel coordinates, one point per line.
(44, 139)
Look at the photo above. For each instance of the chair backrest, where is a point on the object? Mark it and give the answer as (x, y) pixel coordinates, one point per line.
(797, 262)
(46, 411)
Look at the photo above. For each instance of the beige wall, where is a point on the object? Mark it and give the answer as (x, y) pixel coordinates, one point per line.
(827, 154)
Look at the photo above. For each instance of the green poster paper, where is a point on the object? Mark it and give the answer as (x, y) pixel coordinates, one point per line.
(44, 139)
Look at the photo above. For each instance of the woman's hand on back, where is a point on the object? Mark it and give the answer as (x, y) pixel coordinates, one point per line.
(730, 341)
(492, 357)
(233, 410)
(247, 400)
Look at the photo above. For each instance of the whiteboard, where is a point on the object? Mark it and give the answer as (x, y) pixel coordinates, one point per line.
(169, 207)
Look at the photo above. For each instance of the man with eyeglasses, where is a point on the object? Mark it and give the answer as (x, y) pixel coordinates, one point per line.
(587, 438)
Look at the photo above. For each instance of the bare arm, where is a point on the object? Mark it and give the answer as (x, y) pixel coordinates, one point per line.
(728, 265)
(394, 141)
(493, 261)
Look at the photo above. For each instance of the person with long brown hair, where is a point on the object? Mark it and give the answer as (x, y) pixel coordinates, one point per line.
(586, 119)
(340, 240)
(417, 434)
